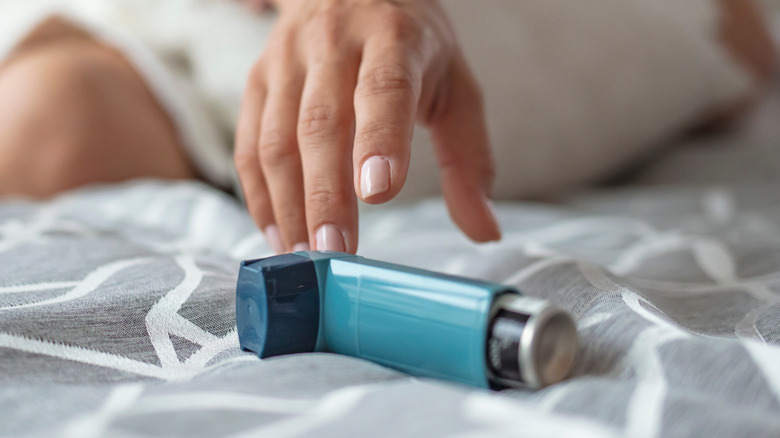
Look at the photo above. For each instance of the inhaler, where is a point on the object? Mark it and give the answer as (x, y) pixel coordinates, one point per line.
(419, 322)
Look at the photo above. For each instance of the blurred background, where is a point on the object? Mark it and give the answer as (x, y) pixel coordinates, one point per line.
(575, 92)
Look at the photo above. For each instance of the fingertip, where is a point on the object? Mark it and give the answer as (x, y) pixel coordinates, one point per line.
(329, 237)
(474, 213)
(301, 246)
(483, 227)
(494, 228)
(379, 178)
(375, 179)
(274, 239)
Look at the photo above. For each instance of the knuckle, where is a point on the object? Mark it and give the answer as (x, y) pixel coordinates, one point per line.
(326, 28)
(277, 149)
(398, 22)
(373, 132)
(402, 32)
(401, 29)
(386, 78)
(449, 163)
(257, 70)
(320, 121)
(321, 200)
(256, 77)
(244, 161)
(481, 170)
(289, 216)
(281, 42)
(286, 40)
(281, 52)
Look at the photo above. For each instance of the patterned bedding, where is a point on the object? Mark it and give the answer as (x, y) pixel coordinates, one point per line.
(117, 311)
(117, 319)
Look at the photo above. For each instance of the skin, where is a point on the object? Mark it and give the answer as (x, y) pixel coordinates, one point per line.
(74, 112)
(340, 82)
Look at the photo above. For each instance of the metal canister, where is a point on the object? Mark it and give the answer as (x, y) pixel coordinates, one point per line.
(530, 342)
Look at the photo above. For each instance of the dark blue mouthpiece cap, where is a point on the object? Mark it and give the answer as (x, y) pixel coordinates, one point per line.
(278, 305)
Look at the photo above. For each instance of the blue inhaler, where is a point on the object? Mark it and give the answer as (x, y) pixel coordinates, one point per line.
(423, 323)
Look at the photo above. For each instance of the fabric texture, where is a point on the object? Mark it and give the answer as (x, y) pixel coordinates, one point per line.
(117, 309)
(117, 319)
(117, 312)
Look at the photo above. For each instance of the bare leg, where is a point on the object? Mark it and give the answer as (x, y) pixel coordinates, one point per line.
(75, 112)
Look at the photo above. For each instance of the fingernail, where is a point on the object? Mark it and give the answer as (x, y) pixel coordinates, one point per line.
(274, 239)
(374, 176)
(302, 246)
(329, 238)
(492, 209)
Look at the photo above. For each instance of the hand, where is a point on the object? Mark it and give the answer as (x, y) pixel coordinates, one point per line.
(329, 111)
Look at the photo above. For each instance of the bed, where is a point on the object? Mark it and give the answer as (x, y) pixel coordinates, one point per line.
(117, 310)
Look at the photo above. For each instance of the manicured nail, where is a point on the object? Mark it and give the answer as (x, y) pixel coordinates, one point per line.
(492, 209)
(274, 239)
(329, 238)
(374, 176)
(302, 246)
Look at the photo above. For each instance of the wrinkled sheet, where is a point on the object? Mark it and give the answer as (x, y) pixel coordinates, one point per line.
(117, 311)
(117, 319)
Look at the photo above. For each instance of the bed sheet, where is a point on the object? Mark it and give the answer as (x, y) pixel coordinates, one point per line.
(117, 319)
(117, 311)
